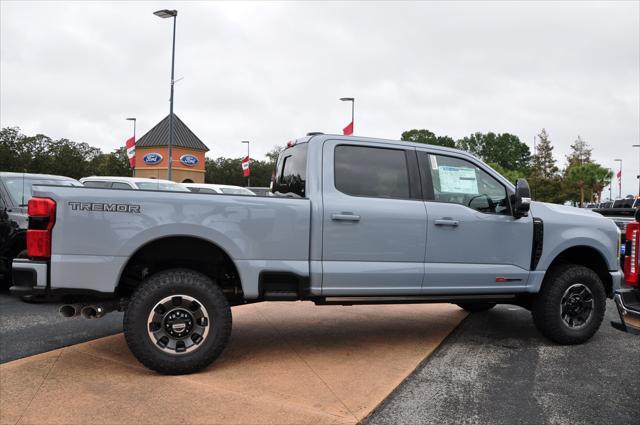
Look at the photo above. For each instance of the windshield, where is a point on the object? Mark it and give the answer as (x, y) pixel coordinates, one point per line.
(174, 187)
(237, 191)
(15, 185)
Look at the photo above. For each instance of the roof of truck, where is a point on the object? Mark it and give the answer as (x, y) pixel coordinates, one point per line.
(315, 138)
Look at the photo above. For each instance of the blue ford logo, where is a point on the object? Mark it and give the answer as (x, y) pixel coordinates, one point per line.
(189, 160)
(152, 158)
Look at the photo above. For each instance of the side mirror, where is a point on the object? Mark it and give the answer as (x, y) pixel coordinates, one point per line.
(522, 199)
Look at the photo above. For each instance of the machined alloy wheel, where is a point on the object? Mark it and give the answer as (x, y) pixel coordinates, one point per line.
(177, 321)
(178, 324)
(576, 306)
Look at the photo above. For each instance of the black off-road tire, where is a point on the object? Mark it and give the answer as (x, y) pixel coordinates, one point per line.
(546, 308)
(166, 284)
(476, 307)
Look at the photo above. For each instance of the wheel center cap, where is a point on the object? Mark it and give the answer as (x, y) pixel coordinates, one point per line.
(179, 327)
(178, 323)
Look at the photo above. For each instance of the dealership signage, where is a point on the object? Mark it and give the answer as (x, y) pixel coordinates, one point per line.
(152, 158)
(189, 160)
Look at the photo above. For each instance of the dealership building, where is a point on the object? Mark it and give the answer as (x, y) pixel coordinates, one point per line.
(152, 153)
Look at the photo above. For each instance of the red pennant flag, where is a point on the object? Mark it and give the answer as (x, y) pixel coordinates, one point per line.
(246, 166)
(131, 152)
(348, 130)
(619, 175)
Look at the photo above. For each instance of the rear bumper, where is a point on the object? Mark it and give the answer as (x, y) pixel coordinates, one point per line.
(34, 278)
(628, 303)
(29, 277)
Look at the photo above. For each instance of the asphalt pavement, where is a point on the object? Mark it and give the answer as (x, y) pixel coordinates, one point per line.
(27, 329)
(496, 368)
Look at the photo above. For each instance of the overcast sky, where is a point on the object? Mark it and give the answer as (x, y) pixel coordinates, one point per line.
(270, 72)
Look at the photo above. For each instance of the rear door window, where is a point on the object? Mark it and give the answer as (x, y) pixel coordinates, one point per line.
(371, 172)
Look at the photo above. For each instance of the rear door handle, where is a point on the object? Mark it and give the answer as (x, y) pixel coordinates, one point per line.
(447, 222)
(345, 217)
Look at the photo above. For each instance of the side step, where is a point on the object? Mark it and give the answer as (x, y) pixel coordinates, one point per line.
(280, 296)
(413, 299)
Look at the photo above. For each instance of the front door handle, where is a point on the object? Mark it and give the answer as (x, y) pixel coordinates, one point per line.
(345, 217)
(447, 222)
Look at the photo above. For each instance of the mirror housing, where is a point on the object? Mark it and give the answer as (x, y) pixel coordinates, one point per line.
(522, 199)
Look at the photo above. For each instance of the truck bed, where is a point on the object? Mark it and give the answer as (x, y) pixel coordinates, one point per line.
(258, 233)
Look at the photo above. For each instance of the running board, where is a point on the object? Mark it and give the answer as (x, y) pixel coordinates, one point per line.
(419, 299)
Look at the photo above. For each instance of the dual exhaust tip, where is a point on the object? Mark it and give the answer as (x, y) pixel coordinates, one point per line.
(86, 311)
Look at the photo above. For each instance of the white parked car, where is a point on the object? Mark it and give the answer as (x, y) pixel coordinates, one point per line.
(218, 188)
(132, 183)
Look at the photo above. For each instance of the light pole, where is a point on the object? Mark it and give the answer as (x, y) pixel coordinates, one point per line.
(165, 13)
(610, 185)
(638, 146)
(249, 159)
(353, 103)
(619, 179)
(134, 138)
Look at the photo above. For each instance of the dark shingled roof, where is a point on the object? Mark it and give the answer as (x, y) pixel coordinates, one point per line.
(183, 136)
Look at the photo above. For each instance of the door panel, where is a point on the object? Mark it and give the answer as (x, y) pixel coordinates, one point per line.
(370, 245)
(481, 249)
(474, 245)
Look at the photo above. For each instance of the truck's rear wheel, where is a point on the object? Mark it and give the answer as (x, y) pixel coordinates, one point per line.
(570, 307)
(178, 321)
(476, 307)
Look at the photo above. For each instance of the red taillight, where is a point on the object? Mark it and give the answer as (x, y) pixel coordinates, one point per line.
(632, 234)
(42, 217)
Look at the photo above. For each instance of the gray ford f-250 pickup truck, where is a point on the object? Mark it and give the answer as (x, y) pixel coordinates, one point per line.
(352, 221)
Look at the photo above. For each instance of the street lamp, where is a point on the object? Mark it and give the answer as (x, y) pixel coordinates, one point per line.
(134, 126)
(165, 13)
(249, 165)
(134, 138)
(638, 146)
(353, 103)
(619, 179)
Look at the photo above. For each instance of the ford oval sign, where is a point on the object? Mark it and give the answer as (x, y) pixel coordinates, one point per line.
(189, 160)
(152, 158)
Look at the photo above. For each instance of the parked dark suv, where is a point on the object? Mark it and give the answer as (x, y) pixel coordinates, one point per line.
(15, 192)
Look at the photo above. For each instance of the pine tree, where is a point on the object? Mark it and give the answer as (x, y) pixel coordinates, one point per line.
(580, 153)
(544, 178)
(544, 164)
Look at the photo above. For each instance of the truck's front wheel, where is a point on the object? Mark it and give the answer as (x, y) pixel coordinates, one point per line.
(570, 307)
(178, 321)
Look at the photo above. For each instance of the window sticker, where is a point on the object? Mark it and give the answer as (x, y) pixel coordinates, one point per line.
(434, 162)
(458, 180)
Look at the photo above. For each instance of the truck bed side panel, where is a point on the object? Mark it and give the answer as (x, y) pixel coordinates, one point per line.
(92, 239)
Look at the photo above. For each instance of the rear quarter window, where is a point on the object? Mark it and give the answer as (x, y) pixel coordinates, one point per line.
(290, 177)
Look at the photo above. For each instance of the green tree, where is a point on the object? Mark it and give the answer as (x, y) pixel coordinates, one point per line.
(229, 171)
(511, 175)
(544, 177)
(427, 137)
(580, 153)
(503, 149)
(115, 163)
(589, 179)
